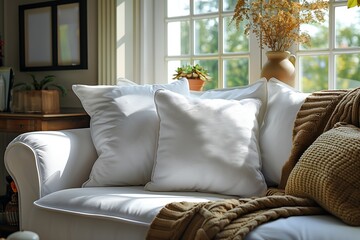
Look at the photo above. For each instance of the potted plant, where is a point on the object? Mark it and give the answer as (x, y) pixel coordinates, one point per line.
(276, 25)
(196, 74)
(38, 96)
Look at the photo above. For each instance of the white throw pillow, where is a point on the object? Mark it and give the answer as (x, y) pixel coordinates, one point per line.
(276, 134)
(207, 145)
(255, 90)
(124, 127)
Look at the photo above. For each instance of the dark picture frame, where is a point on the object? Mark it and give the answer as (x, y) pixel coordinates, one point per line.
(53, 35)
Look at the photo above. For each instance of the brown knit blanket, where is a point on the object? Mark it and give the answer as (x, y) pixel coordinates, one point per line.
(235, 218)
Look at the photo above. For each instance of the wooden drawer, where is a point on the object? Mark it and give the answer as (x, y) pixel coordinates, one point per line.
(18, 125)
(23, 122)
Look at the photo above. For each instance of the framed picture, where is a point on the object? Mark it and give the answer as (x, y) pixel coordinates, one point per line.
(53, 35)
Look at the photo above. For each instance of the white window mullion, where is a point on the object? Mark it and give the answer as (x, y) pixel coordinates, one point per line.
(332, 70)
(192, 32)
(221, 83)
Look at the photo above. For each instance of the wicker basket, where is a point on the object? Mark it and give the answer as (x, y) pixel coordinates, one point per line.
(36, 101)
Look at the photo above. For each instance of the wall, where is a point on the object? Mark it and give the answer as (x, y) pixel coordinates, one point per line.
(68, 77)
(9, 31)
(1, 18)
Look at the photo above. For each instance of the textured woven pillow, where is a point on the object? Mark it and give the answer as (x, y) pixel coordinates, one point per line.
(329, 173)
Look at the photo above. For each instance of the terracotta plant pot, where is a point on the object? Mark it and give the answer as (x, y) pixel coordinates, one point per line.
(195, 84)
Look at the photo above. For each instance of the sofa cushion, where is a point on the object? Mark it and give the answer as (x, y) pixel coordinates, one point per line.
(328, 172)
(276, 133)
(124, 127)
(208, 145)
(129, 204)
(256, 90)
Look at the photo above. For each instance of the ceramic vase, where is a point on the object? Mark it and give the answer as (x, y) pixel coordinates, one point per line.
(280, 65)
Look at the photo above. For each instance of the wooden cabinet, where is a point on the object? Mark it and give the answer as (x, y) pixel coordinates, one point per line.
(23, 122)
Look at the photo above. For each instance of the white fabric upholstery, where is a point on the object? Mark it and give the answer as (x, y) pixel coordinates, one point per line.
(323, 227)
(124, 127)
(276, 134)
(128, 204)
(46, 162)
(215, 137)
(256, 90)
(49, 168)
(132, 210)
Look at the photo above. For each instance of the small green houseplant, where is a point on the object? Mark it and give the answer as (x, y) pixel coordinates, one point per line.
(46, 83)
(196, 74)
(38, 96)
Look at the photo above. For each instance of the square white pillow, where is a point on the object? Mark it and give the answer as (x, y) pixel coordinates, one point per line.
(124, 127)
(276, 133)
(207, 145)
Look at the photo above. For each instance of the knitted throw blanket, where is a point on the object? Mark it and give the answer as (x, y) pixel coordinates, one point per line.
(226, 219)
(235, 218)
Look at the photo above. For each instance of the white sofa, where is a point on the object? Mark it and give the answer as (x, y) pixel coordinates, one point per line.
(51, 170)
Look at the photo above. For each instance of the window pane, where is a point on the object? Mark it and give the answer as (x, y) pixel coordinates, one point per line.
(236, 72)
(178, 38)
(206, 36)
(319, 33)
(313, 73)
(347, 71)
(229, 5)
(178, 8)
(173, 65)
(347, 27)
(213, 70)
(234, 39)
(205, 6)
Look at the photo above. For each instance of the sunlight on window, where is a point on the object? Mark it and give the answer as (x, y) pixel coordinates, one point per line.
(236, 72)
(313, 73)
(234, 40)
(178, 38)
(205, 6)
(347, 27)
(229, 5)
(347, 71)
(206, 36)
(319, 34)
(178, 8)
(332, 61)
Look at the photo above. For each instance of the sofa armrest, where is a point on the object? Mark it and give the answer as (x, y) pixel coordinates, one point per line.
(44, 162)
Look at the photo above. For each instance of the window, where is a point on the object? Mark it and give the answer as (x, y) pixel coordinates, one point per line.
(199, 31)
(333, 60)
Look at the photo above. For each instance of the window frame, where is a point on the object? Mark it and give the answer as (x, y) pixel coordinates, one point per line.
(331, 52)
(257, 55)
(160, 52)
